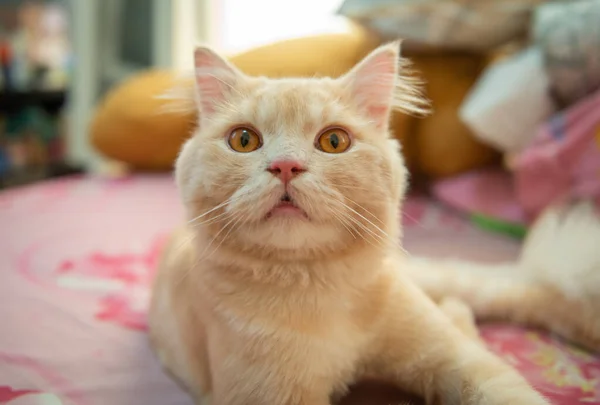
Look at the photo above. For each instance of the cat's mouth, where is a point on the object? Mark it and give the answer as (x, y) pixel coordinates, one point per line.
(287, 207)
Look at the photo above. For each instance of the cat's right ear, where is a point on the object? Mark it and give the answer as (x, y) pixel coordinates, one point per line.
(382, 82)
(215, 78)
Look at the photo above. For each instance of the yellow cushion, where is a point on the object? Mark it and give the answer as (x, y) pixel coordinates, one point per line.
(443, 145)
(130, 127)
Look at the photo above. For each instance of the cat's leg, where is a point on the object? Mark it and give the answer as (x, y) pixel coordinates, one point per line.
(182, 358)
(176, 335)
(282, 366)
(261, 381)
(422, 351)
(238, 392)
(461, 316)
(181, 362)
(555, 284)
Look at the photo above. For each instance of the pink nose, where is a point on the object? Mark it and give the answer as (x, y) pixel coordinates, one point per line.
(286, 170)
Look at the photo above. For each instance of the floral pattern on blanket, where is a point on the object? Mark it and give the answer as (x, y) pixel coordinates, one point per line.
(124, 279)
(561, 371)
(22, 392)
(9, 396)
(90, 271)
(117, 278)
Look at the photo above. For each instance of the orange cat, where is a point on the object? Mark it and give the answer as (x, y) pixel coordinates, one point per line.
(287, 284)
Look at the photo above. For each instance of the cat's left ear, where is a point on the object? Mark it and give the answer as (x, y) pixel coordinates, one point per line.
(216, 78)
(380, 83)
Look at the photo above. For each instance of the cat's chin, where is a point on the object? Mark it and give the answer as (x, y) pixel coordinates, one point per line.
(289, 234)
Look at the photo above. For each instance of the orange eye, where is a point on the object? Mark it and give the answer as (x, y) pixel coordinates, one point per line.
(334, 140)
(244, 140)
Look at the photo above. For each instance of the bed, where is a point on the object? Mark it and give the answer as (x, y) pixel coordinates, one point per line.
(76, 259)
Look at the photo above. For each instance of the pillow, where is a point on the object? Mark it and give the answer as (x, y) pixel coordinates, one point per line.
(451, 24)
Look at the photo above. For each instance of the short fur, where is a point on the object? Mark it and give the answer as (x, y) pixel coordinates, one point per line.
(259, 310)
(554, 285)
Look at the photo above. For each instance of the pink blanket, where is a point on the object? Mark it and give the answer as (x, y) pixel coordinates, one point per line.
(77, 256)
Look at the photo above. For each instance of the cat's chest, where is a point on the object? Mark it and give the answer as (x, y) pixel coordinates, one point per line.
(320, 318)
(321, 342)
(312, 302)
(296, 314)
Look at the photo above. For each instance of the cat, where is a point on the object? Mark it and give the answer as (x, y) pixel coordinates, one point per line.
(554, 285)
(288, 284)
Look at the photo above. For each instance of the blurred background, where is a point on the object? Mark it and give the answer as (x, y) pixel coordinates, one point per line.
(80, 81)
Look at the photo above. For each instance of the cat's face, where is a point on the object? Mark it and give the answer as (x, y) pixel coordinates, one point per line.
(302, 165)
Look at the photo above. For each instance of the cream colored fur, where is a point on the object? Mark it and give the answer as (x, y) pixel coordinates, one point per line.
(554, 285)
(249, 309)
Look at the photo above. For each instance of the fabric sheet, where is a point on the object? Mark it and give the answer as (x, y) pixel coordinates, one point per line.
(76, 259)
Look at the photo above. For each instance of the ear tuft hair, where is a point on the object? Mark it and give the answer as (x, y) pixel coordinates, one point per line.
(408, 96)
(383, 82)
(181, 98)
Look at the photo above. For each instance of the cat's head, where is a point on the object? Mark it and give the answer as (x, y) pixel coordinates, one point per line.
(296, 167)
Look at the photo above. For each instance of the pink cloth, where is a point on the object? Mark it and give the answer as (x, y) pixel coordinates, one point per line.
(563, 161)
(77, 257)
(487, 192)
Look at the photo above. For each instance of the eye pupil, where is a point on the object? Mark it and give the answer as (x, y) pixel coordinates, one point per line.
(334, 140)
(245, 139)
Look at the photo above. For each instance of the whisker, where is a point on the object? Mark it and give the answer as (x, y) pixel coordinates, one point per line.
(365, 210)
(418, 223)
(202, 256)
(224, 203)
(351, 187)
(343, 223)
(368, 237)
(384, 234)
(376, 237)
(354, 223)
(224, 238)
(233, 218)
(225, 216)
(217, 218)
(366, 219)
